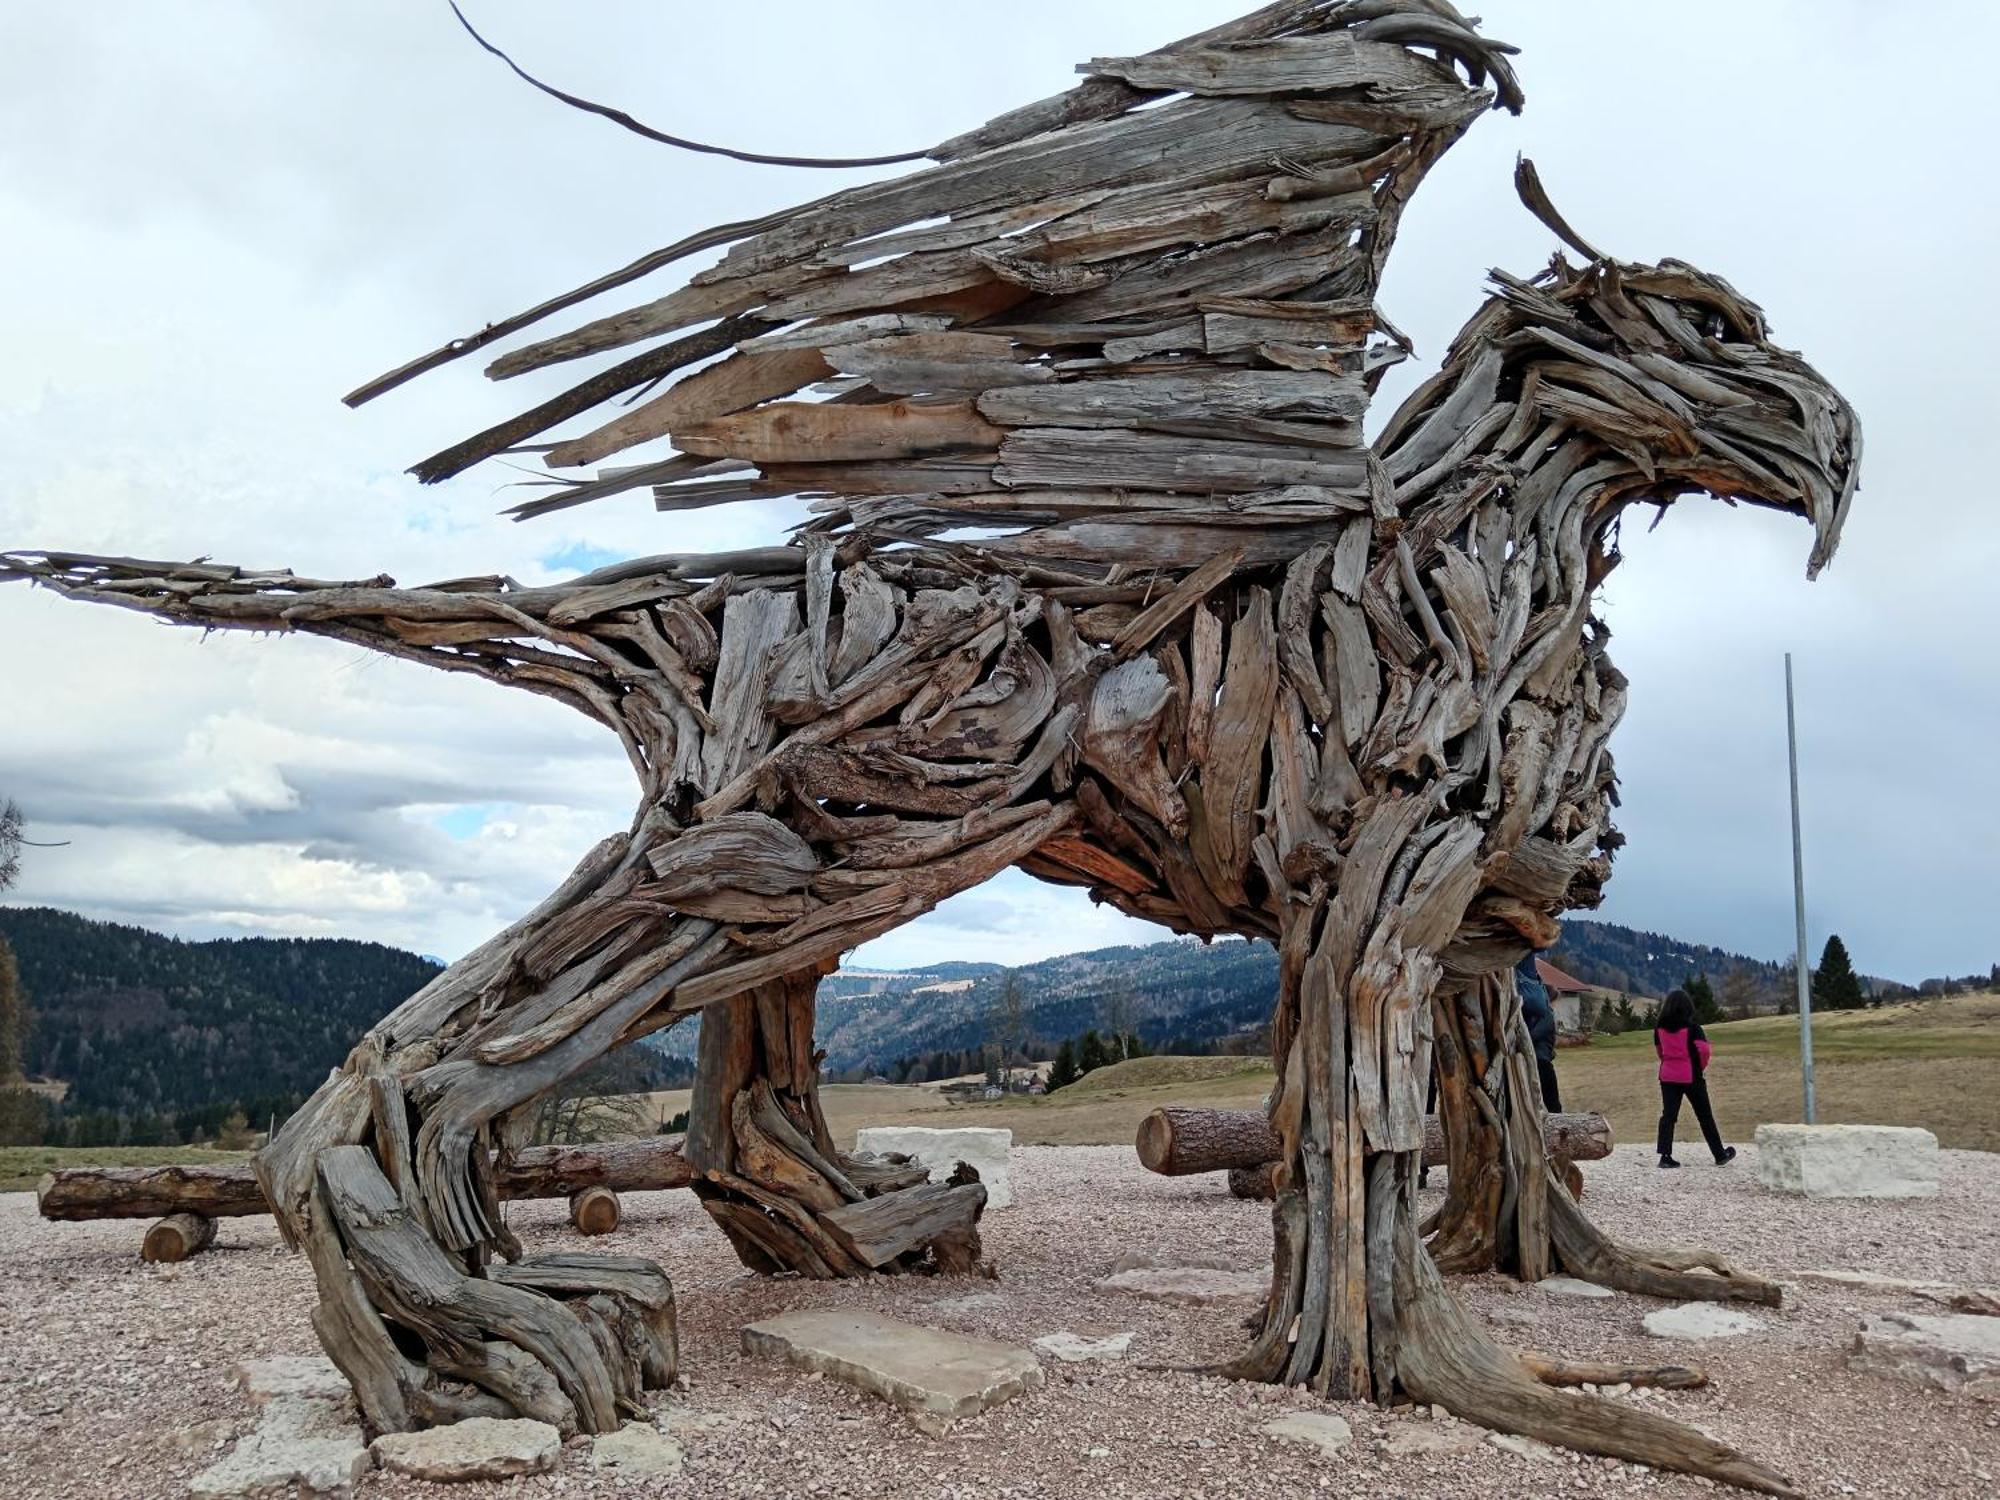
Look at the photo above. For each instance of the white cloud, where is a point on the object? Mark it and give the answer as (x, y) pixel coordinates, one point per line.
(218, 231)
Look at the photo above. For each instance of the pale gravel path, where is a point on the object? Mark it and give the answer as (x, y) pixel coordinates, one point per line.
(105, 1363)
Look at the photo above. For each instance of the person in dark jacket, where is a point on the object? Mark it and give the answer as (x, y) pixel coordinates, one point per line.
(1540, 1014)
(1684, 1052)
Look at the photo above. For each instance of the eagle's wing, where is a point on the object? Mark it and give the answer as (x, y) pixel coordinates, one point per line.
(1154, 292)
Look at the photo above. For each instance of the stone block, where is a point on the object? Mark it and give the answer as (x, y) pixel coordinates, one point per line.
(1848, 1161)
(985, 1150)
(923, 1370)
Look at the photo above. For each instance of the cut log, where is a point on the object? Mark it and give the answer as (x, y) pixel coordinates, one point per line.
(1181, 1142)
(230, 1191)
(594, 1211)
(176, 1237)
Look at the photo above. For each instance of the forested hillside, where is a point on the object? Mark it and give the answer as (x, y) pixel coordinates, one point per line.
(169, 1036)
(1651, 963)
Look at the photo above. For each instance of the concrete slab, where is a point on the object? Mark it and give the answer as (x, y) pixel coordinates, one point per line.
(1848, 1161)
(927, 1371)
(941, 1150)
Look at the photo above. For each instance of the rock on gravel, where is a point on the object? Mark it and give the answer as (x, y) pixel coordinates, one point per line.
(1570, 1286)
(1945, 1352)
(923, 1370)
(1189, 1286)
(310, 1446)
(477, 1448)
(1412, 1440)
(636, 1448)
(1700, 1320)
(982, 1148)
(313, 1377)
(1075, 1349)
(1323, 1430)
(1520, 1447)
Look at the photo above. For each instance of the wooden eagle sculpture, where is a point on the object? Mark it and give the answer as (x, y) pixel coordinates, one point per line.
(1102, 581)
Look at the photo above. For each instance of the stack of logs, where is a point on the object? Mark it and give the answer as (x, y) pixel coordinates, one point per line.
(188, 1200)
(1183, 1142)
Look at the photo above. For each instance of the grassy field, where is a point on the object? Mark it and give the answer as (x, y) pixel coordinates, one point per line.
(1930, 1063)
(21, 1167)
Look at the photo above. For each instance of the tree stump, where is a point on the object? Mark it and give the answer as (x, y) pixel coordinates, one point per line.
(176, 1237)
(594, 1211)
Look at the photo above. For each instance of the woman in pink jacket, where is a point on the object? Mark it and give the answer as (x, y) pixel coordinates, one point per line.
(1684, 1053)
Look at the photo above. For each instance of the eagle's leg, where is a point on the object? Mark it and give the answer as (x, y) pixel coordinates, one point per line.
(1497, 1204)
(1504, 1209)
(1357, 1307)
(773, 1179)
(385, 1177)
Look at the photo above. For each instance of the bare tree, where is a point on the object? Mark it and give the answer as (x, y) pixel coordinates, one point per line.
(1121, 1009)
(1740, 993)
(1007, 1027)
(10, 843)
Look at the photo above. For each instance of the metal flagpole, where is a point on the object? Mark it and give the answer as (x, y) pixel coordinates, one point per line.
(1799, 902)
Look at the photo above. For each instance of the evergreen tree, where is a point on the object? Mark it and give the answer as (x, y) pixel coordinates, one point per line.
(1134, 1047)
(1090, 1053)
(13, 1017)
(1706, 1011)
(1063, 1070)
(1835, 985)
(21, 1115)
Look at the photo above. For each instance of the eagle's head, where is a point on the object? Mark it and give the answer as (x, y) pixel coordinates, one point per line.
(1766, 427)
(1698, 397)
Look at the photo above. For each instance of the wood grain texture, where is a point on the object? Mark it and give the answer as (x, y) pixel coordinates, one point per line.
(1095, 575)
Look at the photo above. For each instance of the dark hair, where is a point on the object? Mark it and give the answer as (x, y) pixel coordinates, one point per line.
(1676, 1012)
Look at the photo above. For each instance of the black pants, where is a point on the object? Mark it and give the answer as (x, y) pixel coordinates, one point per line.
(1551, 1095)
(1695, 1093)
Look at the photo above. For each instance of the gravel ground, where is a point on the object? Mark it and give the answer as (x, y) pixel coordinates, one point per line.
(112, 1372)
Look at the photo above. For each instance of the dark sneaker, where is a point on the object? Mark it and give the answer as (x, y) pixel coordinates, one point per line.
(1668, 1161)
(1728, 1156)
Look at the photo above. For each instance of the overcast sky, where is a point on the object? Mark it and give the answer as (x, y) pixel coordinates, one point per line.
(218, 218)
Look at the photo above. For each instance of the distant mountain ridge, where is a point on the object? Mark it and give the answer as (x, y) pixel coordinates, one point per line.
(1183, 995)
(138, 1023)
